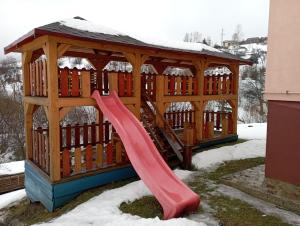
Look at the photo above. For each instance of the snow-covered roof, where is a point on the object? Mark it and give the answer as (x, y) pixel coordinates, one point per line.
(84, 25)
(79, 28)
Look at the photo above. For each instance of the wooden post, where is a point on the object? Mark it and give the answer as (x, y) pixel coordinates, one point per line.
(53, 114)
(28, 108)
(159, 98)
(113, 81)
(200, 67)
(85, 84)
(224, 126)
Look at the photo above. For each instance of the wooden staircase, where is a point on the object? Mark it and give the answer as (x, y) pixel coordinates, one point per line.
(166, 141)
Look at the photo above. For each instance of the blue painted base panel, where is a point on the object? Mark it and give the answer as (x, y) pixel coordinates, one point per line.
(54, 195)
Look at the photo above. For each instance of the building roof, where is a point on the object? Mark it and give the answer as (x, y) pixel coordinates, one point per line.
(81, 29)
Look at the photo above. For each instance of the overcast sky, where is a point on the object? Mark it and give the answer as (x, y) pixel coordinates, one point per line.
(157, 19)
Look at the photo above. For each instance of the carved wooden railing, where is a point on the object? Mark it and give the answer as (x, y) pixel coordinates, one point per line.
(89, 147)
(38, 78)
(217, 120)
(180, 85)
(40, 148)
(177, 119)
(218, 84)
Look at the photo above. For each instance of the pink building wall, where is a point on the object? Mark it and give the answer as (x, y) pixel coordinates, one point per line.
(283, 59)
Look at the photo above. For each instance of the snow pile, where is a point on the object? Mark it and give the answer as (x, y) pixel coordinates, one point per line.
(253, 47)
(252, 131)
(255, 147)
(11, 197)
(213, 157)
(12, 167)
(85, 25)
(104, 209)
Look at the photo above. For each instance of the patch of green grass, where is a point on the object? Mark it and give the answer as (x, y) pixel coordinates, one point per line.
(146, 207)
(32, 213)
(234, 212)
(235, 166)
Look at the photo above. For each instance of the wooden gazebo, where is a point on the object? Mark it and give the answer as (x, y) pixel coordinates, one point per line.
(63, 160)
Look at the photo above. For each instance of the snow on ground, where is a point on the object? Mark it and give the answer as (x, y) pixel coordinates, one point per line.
(255, 147)
(11, 197)
(252, 131)
(12, 167)
(104, 209)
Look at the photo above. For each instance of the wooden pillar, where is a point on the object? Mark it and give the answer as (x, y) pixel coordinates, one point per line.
(159, 98)
(234, 103)
(136, 60)
(28, 108)
(113, 81)
(53, 110)
(200, 67)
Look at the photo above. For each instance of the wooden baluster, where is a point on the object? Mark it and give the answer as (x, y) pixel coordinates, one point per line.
(42, 150)
(45, 87)
(39, 146)
(129, 85)
(190, 83)
(64, 82)
(228, 85)
(32, 79)
(118, 152)
(183, 86)
(93, 133)
(231, 84)
(85, 134)
(224, 84)
(121, 82)
(77, 162)
(68, 136)
(40, 65)
(230, 123)
(99, 85)
(47, 157)
(89, 157)
(172, 85)
(106, 132)
(205, 85)
(77, 135)
(214, 84)
(109, 154)
(218, 120)
(99, 158)
(178, 85)
(37, 79)
(75, 83)
(210, 85)
(105, 81)
(166, 85)
(66, 162)
(174, 120)
(154, 87)
(33, 145)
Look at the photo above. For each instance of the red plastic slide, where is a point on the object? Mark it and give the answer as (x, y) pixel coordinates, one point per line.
(173, 195)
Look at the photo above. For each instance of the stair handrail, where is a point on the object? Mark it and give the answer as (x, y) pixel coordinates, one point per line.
(168, 128)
